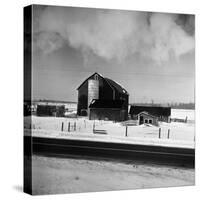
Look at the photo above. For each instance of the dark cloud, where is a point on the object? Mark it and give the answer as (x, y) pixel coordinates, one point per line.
(187, 22)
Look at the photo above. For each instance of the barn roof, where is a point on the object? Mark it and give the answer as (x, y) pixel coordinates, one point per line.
(146, 113)
(88, 79)
(112, 84)
(97, 103)
(116, 85)
(153, 110)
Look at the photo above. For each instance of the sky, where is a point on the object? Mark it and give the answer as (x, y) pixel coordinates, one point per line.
(152, 55)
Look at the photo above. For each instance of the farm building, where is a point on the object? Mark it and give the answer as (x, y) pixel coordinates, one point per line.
(50, 110)
(162, 113)
(146, 118)
(102, 98)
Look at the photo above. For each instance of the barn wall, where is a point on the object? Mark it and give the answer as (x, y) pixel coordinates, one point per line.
(125, 97)
(148, 117)
(82, 98)
(105, 91)
(103, 113)
(49, 110)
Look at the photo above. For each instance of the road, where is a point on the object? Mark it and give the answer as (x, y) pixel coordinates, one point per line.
(183, 157)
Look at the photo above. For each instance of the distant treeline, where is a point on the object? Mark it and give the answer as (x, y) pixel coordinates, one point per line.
(172, 105)
(183, 106)
(53, 101)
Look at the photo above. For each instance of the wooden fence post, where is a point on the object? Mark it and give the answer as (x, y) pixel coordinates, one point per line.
(168, 133)
(69, 127)
(74, 126)
(159, 136)
(93, 127)
(126, 134)
(62, 126)
(186, 119)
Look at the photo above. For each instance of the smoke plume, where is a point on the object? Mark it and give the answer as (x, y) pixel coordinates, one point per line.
(113, 34)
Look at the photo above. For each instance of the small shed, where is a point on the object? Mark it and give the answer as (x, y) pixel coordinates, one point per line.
(146, 118)
(162, 113)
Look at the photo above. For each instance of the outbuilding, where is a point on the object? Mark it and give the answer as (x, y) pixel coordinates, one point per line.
(146, 118)
(163, 113)
(50, 110)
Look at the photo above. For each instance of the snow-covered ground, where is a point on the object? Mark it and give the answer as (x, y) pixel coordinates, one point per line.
(69, 175)
(56, 175)
(81, 128)
(182, 114)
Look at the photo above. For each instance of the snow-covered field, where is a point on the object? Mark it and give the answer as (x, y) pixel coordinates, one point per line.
(56, 175)
(180, 133)
(182, 114)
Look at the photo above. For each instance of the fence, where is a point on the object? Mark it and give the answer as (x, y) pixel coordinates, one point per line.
(53, 126)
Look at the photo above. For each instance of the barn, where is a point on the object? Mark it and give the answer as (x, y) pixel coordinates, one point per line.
(162, 113)
(102, 98)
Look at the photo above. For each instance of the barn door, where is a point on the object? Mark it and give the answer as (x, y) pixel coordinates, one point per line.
(122, 115)
(141, 120)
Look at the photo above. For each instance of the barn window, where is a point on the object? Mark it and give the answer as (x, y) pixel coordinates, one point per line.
(150, 121)
(146, 121)
(83, 112)
(96, 77)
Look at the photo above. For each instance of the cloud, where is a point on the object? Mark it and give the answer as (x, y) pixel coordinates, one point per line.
(169, 39)
(114, 34)
(48, 41)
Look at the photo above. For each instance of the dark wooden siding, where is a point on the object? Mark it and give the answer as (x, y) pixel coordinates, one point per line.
(50, 110)
(148, 117)
(163, 113)
(82, 98)
(105, 91)
(108, 113)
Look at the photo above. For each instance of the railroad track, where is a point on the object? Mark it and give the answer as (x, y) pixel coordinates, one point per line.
(184, 157)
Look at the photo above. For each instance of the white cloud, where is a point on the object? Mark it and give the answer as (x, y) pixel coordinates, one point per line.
(112, 34)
